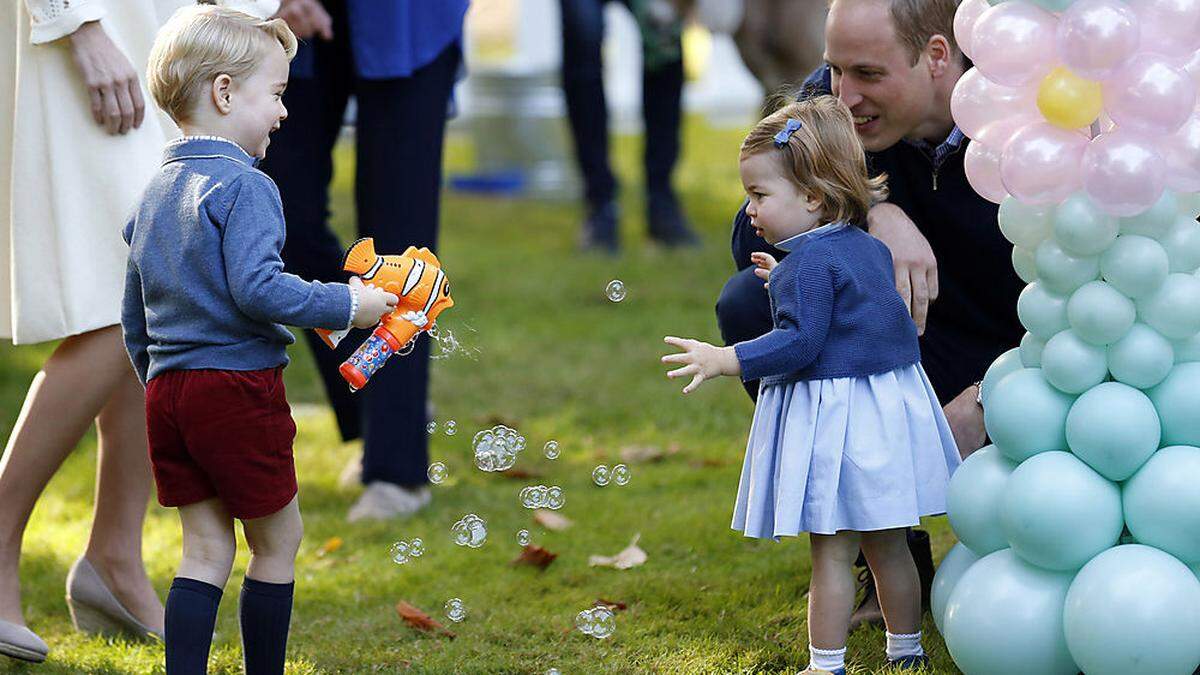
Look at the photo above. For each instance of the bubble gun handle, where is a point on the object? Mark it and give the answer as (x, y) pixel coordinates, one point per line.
(369, 357)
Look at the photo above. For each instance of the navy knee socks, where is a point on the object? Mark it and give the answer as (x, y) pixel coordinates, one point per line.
(266, 613)
(190, 619)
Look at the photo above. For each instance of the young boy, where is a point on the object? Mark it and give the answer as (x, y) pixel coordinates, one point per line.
(204, 300)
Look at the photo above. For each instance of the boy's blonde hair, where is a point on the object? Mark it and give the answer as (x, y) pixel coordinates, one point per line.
(824, 157)
(200, 42)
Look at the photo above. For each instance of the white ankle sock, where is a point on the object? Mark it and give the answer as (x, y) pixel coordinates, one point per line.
(899, 646)
(826, 659)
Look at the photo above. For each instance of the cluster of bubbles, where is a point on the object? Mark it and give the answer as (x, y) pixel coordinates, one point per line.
(542, 497)
(602, 475)
(403, 551)
(599, 622)
(496, 448)
(455, 610)
(615, 290)
(551, 449)
(451, 427)
(523, 537)
(437, 473)
(431, 428)
(470, 530)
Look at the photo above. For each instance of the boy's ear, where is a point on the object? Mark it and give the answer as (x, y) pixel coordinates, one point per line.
(812, 203)
(222, 93)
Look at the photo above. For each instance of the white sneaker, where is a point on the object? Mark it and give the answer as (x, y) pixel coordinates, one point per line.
(384, 501)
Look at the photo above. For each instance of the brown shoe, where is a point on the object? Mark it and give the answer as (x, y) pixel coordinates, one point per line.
(868, 610)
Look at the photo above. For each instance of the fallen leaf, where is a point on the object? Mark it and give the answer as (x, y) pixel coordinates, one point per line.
(522, 474)
(707, 463)
(551, 520)
(420, 620)
(535, 556)
(632, 556)
(331, 545)
(611, 604)
(642, 454)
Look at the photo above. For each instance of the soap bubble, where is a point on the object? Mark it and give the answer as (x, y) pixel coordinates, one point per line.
(470, 531)
(585, 622)
(400, 552)
(451, 428)
(554, 498)
(620, 474)
(523, 537)
(554, 671)
(599, 622)
(615, 290)
(496, 449)
(416, 548)
(431, 428)
(455, 610)
(551, 449)
(601, 475)
(437, 473)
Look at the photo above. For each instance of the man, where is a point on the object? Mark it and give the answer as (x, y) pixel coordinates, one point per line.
(894, 63)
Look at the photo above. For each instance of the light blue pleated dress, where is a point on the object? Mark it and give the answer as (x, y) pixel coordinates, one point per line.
(854, 453)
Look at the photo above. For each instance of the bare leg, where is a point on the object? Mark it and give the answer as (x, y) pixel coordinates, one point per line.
(274, 541)
(831, 590)
(63, 398)
(208, 542)
(122, 490)
(896, 579)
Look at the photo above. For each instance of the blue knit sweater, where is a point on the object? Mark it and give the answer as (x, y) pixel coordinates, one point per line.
(205, 286)
(836, 313)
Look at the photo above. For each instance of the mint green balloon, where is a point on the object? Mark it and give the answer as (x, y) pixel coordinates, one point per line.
(1057, 513)
(1162, 504)
(1041, 312)
(1142, 358)
(1031, 350)
(1025, 225)
(1025, 415)
(1072, 364)
(1182, 243)
(1005, 616)
(1187, 350)
(1177, 400)
(1062, 272)
(1154, 221)
(949, 571)
(1174, 309)
(1188, 204)
(1008, 362)
(1099, 313)
(1135, 265)
(1133, 609)
(1081, 229)
(973, 499)
(1024, 264)
(1114, 428)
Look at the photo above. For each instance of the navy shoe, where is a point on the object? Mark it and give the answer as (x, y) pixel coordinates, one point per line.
(667, 224)
(910, 662)
(600, 230)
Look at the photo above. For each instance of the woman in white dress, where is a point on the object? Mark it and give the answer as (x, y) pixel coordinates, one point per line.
(78, 141)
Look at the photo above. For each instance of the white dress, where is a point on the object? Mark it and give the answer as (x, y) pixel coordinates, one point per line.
(67, 186)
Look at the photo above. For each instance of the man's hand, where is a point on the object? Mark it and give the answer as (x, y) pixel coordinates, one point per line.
(306, 18)
(701, 360)
(764, 263)
(916, 268)
(966, 421)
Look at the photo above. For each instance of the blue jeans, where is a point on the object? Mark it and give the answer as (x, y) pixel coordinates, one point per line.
(583, 86)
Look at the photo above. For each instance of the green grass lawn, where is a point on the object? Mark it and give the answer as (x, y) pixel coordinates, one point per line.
(556, 359)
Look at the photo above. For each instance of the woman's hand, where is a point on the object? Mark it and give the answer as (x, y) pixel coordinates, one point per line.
(701, 360)
(306, 18)
(765, 262)
(112, 81)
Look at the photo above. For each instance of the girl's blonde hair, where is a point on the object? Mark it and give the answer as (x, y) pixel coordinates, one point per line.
(824, 157)
(200, 42)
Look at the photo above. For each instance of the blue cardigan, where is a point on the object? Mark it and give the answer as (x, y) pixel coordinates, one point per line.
(205, 286)
(835, 310)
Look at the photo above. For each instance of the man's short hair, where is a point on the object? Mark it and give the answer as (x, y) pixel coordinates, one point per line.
(200, 42)
(916, 21)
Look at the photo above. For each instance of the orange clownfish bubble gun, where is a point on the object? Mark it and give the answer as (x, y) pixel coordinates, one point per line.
(416, 277)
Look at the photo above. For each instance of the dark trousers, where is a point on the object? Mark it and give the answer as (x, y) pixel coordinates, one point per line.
(398, 159)
(583, 86)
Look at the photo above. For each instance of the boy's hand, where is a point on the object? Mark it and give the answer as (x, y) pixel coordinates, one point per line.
(765, 262)
(373, 303)
(701, 360)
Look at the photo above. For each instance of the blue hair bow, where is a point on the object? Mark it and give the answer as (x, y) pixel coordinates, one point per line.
(782, 138)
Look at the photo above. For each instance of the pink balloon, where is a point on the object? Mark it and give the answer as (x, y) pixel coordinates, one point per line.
(1181, 153)
(982, 166)
(965, 18)
(977, 102)
(998, 133)
(1122, 173)
(1150, 95)
(1170, 27)
(1013, 43)
(1096, 37)
(1040, 164)
(1191, 66)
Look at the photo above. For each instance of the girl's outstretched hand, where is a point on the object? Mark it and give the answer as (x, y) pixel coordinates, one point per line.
(700, 360)
(765, 262)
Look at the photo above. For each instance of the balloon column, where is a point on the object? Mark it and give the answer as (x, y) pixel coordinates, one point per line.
(1078, 526)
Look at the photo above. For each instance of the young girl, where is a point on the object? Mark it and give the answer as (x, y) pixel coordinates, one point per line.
(848, 441)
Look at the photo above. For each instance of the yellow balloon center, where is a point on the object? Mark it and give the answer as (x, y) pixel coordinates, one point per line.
(1069, 101)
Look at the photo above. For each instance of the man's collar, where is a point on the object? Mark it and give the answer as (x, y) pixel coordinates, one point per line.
(198, 147)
